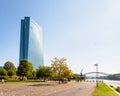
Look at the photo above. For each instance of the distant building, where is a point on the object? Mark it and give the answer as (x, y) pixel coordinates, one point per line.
(31, 47)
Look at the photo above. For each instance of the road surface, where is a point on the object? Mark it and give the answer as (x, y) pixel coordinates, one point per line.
(82, 89)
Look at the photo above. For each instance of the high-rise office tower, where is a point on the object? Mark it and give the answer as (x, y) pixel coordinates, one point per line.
(31, 47)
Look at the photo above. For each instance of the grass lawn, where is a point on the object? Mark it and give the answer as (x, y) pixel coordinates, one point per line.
(103, 90)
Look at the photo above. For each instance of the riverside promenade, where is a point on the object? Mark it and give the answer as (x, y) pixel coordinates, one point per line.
(47, 89)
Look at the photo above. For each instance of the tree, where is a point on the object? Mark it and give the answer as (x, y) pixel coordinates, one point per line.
(44, 72)
(60, 68)
(25, 68)
(66, 72)
(76, 76)
(34, 74)
(10, 68)
(11, 72)
(3, 72)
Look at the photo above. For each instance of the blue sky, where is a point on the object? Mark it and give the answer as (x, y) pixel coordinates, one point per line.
(85, 32)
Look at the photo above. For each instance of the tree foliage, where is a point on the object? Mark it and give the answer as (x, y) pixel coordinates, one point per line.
(44, 72)
(3, 72)
(9, 66)
(25, 68)
(11, 72)
(76, 76)
(60, 68)
(34, 74)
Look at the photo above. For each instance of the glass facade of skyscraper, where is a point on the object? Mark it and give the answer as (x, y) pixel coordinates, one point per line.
(31, 47)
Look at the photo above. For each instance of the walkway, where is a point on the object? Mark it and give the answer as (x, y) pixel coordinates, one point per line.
(82, 89)
(47, 89)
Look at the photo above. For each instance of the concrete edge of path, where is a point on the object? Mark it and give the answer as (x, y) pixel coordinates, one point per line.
(113, 90)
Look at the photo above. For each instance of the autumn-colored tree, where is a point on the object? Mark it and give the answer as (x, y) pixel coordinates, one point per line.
(60, 68)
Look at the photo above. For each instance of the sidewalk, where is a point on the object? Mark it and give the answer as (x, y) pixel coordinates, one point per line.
(35, 89)
(82, 89)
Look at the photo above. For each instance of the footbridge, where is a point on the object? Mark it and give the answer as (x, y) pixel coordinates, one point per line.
(103, 73)
(83, 76)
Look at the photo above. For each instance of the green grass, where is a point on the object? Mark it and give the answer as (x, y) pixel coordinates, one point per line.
(103, 90)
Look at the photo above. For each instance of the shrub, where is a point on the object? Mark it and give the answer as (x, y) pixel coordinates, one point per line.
(117, 89)
(111, 86)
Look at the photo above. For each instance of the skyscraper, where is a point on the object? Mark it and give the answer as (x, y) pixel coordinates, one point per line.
(31, 47)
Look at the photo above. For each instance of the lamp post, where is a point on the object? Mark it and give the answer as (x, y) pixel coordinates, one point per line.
(96, 74)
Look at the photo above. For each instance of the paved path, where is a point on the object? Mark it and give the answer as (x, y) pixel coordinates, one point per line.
(82, 89)
(46, 89)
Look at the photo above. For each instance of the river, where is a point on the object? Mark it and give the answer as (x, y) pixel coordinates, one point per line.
(115, 83)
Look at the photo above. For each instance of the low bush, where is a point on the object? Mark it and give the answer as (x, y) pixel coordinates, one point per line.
(117, 89)
(111, 86)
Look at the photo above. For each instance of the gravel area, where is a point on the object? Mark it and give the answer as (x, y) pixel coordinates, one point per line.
(33, 89)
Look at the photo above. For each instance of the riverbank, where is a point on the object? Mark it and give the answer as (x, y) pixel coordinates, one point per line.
(103, 90)
(114, 85)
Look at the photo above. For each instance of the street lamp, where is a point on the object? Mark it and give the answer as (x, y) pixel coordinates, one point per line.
(96, 74)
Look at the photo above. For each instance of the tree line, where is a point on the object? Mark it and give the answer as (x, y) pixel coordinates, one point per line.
(57, 71)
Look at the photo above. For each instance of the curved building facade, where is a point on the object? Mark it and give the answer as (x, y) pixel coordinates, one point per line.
(31, 47)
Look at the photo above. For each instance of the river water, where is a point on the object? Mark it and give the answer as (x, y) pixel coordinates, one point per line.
(115, 83)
